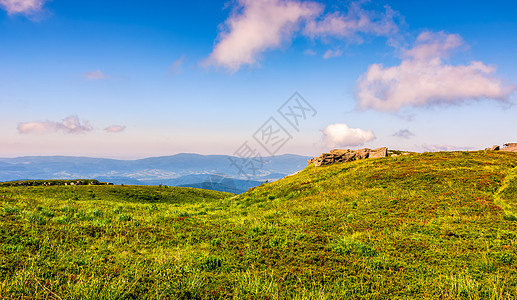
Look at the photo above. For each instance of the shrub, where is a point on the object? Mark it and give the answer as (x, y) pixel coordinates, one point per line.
(47, 212)
(506, 258)
(67, 209)
(210, 263)
(124, 218)
(118, 210)
(215, 242)
(96, 213)
(348, 245)
(36, 218)
(11, 210)
(61, 220)
(276, 241)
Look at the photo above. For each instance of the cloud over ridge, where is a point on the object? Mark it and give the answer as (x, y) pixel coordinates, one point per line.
(423, 78)
(115, 128)
(256, 26)
(340, 135)
(70, 125)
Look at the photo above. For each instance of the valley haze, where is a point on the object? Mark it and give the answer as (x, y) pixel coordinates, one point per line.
(186, 169)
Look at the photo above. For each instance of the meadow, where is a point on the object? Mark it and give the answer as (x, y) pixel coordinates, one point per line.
(419, 226)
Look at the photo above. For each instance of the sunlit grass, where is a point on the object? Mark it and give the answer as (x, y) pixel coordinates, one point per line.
(433, 225)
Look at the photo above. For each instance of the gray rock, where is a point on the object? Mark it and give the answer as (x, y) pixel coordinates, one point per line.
(347, 155)
(509, 147)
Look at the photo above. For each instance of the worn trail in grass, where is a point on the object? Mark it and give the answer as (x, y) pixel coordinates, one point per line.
(417, 226)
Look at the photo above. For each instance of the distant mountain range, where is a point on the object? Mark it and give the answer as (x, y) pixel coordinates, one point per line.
(215, 172)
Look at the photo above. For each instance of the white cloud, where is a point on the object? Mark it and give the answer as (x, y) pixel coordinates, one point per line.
(256, 26)
(430, 45)
(115, 128)
(259, 25)
(95, 75)
(70, 125)
(340, 135)
(177, 66)
(423, 78)
(22, 6)
(356, 20)
(332, 53)
(404, 133)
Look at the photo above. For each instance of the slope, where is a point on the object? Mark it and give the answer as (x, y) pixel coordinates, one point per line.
(407, 227)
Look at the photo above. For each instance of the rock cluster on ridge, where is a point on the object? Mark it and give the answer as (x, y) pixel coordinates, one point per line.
(509, 147)
(346, 155)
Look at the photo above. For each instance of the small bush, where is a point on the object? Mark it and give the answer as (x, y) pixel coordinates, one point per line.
(210, 263)
(349, 245)
(11, 210)
(13, 248)
(118, 210)
(67, 209)
(506, 258)
(215, 242)
(47, 212)
(61, 220)
(37, 219)
(124, 218)
(276, 241)
(97, 213)
(271, 197)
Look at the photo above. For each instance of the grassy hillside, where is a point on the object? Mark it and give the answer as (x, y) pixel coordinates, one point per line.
(433, 225)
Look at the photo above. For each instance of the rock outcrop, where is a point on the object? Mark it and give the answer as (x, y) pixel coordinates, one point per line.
(509, 147)
(346, 155)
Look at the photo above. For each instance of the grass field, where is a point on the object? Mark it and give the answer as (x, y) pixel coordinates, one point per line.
(420, 226)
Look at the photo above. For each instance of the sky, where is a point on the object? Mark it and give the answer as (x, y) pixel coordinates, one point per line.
(132, 79)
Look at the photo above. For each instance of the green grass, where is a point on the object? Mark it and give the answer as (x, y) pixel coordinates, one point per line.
(419, 226)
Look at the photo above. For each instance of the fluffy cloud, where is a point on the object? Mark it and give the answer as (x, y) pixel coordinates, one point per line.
(258, 25)
(70, 125)
(22, 6)
(356, 20)
(403, 133)
(95, 75)
(340, 135)
(332, 53)
(423, 78)
(115, 128)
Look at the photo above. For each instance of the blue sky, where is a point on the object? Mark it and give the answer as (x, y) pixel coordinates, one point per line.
(130, 79)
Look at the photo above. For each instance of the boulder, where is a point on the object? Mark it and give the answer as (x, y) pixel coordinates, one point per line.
(346, 155)
(509, 147)
(380, 152)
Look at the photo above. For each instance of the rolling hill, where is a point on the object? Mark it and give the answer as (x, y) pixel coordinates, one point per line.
(214, 172)
(420, 226)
